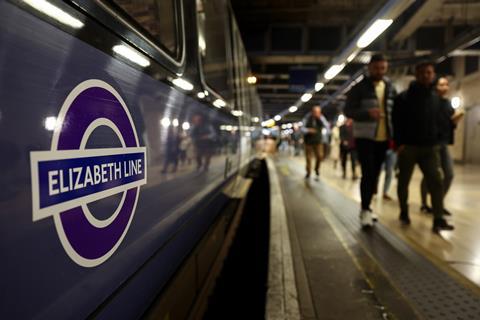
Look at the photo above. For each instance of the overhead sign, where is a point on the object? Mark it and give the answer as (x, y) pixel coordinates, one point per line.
(68, 176)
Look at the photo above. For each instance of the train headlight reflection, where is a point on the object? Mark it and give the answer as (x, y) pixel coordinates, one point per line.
(185, 125)
(131, 55)
(219, 103)
(183, 84)
(50, 123)
(165, 122)
(55, 13)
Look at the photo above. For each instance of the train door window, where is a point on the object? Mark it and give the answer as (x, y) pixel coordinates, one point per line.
(212, 40)
(240, 68)
(237, 70)
(158, 19)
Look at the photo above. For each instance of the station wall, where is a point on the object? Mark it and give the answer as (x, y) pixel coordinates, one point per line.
(467, 136)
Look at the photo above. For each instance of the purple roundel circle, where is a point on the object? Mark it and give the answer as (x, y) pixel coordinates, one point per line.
(87, 244)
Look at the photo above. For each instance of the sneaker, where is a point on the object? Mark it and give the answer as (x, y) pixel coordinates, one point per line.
(441, 224)
(404, 218)
(426, 209)
(366, 218)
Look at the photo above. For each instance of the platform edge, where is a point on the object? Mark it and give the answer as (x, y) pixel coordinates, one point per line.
(282, 295)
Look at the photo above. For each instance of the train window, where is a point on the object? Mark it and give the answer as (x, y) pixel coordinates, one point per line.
(157, 18)
(212, 39)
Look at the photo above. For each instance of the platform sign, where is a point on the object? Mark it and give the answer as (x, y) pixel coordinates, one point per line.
(69, 176)
(302, 79)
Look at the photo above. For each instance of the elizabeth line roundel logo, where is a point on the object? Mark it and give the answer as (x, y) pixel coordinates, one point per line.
(69, 176)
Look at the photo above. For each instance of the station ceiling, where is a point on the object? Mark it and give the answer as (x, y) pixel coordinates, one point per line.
(281, 35)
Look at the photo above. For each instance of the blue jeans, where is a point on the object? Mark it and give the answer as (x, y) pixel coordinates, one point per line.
(390, 163)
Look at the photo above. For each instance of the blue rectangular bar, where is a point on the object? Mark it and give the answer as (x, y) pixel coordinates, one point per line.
(68, 179)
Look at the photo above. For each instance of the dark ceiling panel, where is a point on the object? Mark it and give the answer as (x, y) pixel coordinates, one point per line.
(280, 34)
(430, 38)
(286, 39)
(324, 38)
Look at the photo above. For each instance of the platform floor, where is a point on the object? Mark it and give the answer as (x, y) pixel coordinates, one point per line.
(390, 272)
(459, 249)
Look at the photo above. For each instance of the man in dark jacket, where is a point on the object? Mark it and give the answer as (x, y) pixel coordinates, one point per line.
(369, 104)
(313, 139)
(415, 119)
(447, 122)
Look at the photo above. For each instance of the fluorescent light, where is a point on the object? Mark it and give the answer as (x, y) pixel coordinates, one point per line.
(333, 71)
(219, 103)
(237, 113)
(351, 57)
(255, 119)
(306, 97)
(277, 117)
(165, 122)
(175, 122)
(185, 125)
(131, 55)
(292, 109)
(252, 79)
(373, 32)
(201, 95)
(319, 86)
(50, 123)
(183, 84)
(55, 13)
(456, 102)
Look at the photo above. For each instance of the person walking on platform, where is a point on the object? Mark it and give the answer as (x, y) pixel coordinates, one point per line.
(369, 104)
(415, 119)
(313, 140)
(335, 146)
(390, 164)
(447, 122)
(347, 147)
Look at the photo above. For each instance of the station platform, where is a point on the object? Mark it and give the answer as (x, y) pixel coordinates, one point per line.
(388, 272)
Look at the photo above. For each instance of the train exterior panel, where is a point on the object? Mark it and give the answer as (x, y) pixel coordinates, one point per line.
(103, 246)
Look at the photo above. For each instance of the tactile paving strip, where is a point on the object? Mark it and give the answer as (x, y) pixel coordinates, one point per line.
(434, 293)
